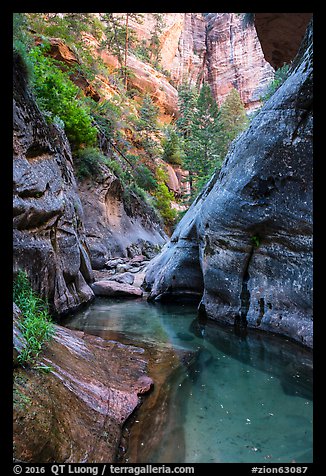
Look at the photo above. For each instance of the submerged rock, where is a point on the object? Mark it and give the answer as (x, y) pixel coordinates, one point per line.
(73, 410)
(245, 244)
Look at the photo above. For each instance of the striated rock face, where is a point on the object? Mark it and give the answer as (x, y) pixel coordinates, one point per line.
(115, 227)
(235, 59)
(189, 63)
(217, 48)
(245, 245)
(48, 236)
(75, 413)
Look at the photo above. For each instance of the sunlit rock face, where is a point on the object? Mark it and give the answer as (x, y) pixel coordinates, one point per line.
(48, 232)
(235, 59)
(219, 49)
(214, 47)
(245, 245)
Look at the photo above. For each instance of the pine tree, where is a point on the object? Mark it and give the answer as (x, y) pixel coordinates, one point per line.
(201, 128)
(233, 119)
(154, 45)
(148, 115)
(172, 148)
(187, 99)
(147, 125)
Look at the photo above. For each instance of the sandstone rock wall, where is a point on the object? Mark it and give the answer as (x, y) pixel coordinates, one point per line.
(75, 412)
(116, 225)
(48, 233)
(245, 245)
(235, 59)
(216, 48)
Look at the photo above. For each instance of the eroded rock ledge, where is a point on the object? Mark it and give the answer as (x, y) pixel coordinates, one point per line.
(75, 413)
(245, 245)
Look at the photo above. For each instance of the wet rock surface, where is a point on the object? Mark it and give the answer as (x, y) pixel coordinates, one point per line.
(74, 412)
(19, 341)
(246, 242)
(49, 241)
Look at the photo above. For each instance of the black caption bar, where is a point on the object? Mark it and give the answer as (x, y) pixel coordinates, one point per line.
(99, 469)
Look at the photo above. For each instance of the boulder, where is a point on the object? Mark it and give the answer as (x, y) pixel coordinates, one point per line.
(124, 278)
(115, 289)
(245, 244)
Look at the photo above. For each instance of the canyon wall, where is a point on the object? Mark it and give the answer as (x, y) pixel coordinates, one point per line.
(216, 48)
(48, 232)
(245, 246)
(117, 225)
(63, 228)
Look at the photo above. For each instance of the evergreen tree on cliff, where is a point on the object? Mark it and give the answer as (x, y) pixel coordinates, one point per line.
(233, 120)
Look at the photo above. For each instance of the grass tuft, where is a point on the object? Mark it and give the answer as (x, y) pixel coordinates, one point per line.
(36, 324)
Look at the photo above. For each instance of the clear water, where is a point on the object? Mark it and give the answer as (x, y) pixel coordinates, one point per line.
(242, 398)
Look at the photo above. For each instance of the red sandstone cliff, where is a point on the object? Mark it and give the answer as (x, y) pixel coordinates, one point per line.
(216, 48)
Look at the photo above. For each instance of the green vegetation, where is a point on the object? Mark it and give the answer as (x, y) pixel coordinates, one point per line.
(207, 131)
(124, 132)
(87, 162)
(36, 324)
(163, 199)
(280, 76)
(233, 120)
(173, 152)
(59, 97)
(255, 240)
(248, 19)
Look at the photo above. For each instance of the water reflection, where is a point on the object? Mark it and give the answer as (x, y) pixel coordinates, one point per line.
(239, 399)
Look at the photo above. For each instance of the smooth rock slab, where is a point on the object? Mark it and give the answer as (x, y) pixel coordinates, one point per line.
(245, 246)
(75, 413)
(115, 289)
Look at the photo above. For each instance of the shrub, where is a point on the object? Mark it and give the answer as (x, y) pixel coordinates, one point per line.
(58, 96)
(279, 77)
(87, 162)
(145, 178)
(36, 324)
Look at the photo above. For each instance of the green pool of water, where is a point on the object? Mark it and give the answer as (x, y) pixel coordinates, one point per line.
(242, 399)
